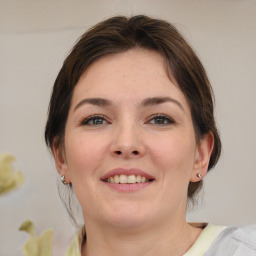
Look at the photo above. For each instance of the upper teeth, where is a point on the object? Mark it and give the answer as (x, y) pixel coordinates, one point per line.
(127, 179)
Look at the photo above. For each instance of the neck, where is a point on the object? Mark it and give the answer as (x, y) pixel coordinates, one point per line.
(172, 239)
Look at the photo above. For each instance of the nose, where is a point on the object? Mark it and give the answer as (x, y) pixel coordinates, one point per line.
(128, 142)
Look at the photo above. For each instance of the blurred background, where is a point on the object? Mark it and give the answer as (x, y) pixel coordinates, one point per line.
(36, 36)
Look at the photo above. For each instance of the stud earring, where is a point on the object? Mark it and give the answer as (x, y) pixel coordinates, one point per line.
(63, 180)
(199, 175)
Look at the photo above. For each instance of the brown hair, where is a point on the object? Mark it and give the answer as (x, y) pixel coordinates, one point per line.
(119, 34)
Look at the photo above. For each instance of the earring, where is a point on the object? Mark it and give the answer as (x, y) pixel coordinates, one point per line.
(63, 180)
(199, 175)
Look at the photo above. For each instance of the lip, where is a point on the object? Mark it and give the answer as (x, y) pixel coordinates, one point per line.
(127, 187)
(126, 171)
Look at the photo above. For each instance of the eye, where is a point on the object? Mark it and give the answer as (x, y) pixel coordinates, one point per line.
(160, 119)
(94, 120)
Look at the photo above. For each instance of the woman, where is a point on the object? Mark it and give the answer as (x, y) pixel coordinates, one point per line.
(132, 130)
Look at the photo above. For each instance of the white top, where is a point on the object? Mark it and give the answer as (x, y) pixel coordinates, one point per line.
(213, 241)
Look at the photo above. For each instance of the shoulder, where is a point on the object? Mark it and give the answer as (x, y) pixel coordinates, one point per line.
(244, 235)
(235, 241)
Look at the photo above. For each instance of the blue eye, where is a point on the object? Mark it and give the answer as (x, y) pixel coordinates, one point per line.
(160, 119)
(94, 120)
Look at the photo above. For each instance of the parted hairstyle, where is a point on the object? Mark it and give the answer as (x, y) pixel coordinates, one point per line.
(119, 34)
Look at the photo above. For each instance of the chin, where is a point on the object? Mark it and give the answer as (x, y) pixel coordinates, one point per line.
(127, 222)
(128, 216)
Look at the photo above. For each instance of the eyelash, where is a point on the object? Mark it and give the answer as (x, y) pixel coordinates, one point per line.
(163, 118)
(92, 118)
(155, 117)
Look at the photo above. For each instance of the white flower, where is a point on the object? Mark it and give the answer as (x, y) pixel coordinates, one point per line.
(37, 245)
(9, 179)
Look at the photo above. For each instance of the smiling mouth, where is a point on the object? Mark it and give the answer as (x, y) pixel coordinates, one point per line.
(127, 179)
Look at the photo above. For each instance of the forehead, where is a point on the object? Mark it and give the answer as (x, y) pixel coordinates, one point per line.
(135, 73)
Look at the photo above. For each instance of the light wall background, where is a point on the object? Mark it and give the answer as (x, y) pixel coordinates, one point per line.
(35, 37)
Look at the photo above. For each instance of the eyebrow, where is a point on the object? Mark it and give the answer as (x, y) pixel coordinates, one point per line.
(94, 101)
(160, 100)
(146, 102)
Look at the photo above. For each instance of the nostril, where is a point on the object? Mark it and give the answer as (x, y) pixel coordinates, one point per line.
(135, 152)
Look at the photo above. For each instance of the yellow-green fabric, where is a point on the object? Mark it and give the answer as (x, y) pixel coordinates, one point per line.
(201, 245)
(204, 241)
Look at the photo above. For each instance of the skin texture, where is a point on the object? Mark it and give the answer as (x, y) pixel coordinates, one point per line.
(129, 136)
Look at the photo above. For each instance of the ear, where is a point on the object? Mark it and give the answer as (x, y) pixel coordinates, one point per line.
(202, 157)
(60, 160)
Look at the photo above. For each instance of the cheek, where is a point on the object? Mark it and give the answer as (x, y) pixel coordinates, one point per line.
(174, 154)
(84, 157)
(84, 153)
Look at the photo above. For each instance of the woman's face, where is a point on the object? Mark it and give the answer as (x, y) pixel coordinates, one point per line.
(129, 123)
